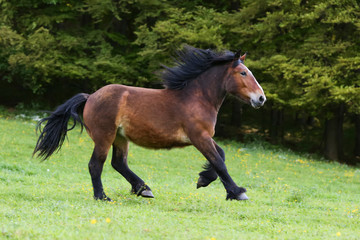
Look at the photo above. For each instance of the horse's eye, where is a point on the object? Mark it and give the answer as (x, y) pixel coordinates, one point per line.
(243, 73)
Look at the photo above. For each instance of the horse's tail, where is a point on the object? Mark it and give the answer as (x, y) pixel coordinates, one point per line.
(53, 135)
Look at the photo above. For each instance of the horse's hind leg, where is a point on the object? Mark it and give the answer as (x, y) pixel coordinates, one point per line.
(209, 175)
(95, 168)
(119, 163)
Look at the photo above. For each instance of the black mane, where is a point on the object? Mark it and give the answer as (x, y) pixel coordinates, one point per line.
(190, 63)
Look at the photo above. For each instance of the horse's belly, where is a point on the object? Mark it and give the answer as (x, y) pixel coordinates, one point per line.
(153, 138)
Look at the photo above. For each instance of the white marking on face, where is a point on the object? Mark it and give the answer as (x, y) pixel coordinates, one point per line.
(257, 98)
(255, 79)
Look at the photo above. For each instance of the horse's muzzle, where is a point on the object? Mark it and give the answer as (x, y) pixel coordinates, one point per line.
(257, 100)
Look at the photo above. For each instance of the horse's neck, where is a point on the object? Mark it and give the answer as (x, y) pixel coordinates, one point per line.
(210, 86)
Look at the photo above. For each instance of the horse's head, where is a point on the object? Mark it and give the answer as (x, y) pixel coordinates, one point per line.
(242, 83)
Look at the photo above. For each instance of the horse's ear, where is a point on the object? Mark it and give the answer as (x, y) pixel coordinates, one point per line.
(237, 55)
(242, 58)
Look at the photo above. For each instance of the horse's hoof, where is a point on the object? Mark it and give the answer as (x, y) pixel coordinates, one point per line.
(147, 194)
(105, 199)
(242, 196)
(143, 191)
(203, 182)
(237, 194)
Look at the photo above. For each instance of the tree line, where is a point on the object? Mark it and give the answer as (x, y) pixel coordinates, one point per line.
(305, 54)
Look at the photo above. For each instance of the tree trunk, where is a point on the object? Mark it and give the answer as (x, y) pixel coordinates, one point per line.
(331, 144)
(357, 137)
(236, 114)
(333, 149)
(340, 130)
(276, 126)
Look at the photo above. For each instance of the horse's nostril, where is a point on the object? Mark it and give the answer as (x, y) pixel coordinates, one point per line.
(261, 99)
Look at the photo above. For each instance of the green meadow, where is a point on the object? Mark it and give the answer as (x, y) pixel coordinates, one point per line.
(292, 195)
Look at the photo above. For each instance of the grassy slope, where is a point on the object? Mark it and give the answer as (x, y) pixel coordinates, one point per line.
(291, 196)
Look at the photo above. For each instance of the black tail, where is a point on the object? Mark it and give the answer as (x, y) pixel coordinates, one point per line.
(55, 130)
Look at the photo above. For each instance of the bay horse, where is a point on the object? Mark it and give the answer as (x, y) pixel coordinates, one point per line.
(183, 113)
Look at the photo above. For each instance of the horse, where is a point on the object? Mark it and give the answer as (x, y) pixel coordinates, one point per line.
(182, 113)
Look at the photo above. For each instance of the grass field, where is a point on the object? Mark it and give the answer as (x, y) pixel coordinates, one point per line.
(292, 196)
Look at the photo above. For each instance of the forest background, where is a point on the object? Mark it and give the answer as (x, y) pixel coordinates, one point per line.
(305, 54)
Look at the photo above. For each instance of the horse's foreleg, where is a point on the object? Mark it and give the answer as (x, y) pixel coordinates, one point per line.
(95, 168)
(207, 146)
(119, 163)
(209, 175)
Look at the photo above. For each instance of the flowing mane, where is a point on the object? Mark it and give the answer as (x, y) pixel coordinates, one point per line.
(190, 63)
